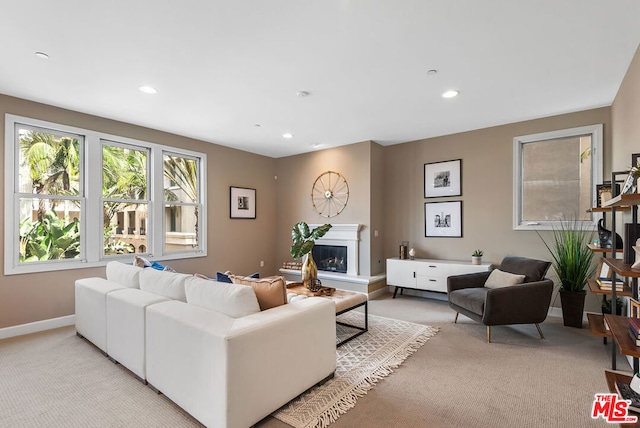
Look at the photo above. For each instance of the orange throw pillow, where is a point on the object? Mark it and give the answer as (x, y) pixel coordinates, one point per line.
(271, 292)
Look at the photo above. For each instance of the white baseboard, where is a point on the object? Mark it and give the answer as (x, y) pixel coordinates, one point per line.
(557, 312)
(34, 327)
(379, 292)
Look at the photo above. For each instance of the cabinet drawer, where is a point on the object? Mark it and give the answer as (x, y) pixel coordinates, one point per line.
(432, 283)
(431, 269)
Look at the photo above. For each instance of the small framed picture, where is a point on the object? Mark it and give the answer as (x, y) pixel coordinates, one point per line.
(603, 270)
(443, 219)
(243, 202)
(443, 179)
(605, 192)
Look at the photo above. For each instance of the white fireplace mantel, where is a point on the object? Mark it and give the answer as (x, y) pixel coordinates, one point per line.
(347, 235)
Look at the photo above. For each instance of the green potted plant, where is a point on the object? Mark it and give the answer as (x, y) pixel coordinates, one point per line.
(572, 261)
(304, 239)
(606, 305)
(476, 257)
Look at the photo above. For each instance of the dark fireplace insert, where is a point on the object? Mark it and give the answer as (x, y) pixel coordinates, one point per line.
(331, 258)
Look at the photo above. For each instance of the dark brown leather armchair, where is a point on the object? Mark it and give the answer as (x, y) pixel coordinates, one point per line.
(526, 303)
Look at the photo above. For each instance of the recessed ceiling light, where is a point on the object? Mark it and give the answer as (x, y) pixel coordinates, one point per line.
(287, 135)
(42, 55)
(432, 72)
(450, 94)
(302, 93)
(148, 89)
(257, 125)
(316, 145)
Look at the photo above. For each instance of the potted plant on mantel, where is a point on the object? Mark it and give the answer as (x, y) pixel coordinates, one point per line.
(572, 261)
(304, 239)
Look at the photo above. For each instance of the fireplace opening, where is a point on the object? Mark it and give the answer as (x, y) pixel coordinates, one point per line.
(331, 258)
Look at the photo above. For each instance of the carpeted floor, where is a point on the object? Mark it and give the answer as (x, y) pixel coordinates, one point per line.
(54, 379)
(361, 364)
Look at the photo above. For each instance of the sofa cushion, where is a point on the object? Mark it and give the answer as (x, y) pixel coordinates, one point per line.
(499, 279)
(233, 300)
(123, 274)
(471, 299)
(271, 292)
(533, 270)
(167, 284)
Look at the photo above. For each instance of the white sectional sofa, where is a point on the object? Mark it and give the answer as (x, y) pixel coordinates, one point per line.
(206, 345)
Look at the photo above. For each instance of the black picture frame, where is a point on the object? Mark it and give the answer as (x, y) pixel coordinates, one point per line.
(442, 179)
(443, 219)
(604, 192)
(242, 203)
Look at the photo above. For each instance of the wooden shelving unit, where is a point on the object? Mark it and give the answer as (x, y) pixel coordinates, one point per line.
(622, 268)
(619, 327)
(626, 200)
(596, 324)
(595, 289)
(613, 377)
(607, 209)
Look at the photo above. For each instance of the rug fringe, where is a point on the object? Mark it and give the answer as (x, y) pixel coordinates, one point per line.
(348, 402)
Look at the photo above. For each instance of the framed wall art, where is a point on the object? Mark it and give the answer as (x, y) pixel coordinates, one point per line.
(605, 192)
(243, 202)
(443, 219)
(443, 179)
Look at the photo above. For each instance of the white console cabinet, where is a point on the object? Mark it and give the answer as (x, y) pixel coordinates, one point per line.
(427, 274)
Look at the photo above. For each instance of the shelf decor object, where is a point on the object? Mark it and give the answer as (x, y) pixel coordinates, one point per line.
(242, 202)
(443, 179)
(443, 219)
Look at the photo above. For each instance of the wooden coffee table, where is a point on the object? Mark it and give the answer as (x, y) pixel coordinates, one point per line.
(345, 301)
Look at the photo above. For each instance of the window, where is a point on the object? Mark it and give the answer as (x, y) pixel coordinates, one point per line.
(49, 195)
(77, 198)
(181, 202)
(125, 198)
(555, 176)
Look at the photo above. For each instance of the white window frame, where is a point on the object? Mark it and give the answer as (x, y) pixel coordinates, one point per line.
(91, 234)
(595, 131)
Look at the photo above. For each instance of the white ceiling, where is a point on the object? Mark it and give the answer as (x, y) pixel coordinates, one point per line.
(221, 67)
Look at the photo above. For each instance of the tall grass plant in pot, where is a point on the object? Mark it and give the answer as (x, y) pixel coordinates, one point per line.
(572, 261)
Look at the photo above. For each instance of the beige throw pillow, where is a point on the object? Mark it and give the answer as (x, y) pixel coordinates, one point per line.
(499, 279)
(271, 292)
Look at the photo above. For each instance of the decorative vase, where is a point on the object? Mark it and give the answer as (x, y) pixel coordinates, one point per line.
(572, 307)
(309, 272)
(475, 260)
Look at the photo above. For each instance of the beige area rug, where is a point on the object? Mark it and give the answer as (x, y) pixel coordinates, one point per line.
(361, 363)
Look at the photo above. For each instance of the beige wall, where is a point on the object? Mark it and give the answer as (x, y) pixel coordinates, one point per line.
(296, 175)
(487, 191)
(378, 204)
(625, 117)
(236, 245)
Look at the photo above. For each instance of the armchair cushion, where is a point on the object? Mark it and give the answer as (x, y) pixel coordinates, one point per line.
(472, 299)
(499, 279)
(533, 270)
